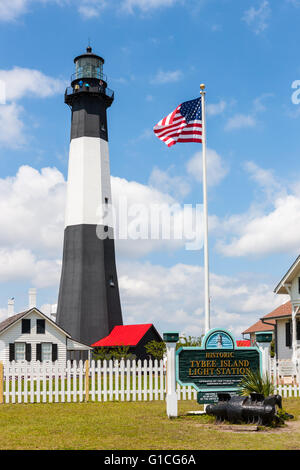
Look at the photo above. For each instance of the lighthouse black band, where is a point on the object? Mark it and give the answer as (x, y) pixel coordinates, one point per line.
(89, 117)
(89, 303)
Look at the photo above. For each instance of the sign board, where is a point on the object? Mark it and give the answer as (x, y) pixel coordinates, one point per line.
(264, 337)
(286, 368)
(217, 366)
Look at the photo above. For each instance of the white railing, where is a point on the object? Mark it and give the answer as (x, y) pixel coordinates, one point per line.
(96, 381)
(288, 391)
(87, 381)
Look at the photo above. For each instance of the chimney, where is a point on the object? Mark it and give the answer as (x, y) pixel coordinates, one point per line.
(32, 297)
(11, 307)
(53, 312)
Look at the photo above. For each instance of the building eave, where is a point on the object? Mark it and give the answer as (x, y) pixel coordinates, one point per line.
(26, 313)
(282, 286)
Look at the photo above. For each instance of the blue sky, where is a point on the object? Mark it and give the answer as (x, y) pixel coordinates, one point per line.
(156, 55)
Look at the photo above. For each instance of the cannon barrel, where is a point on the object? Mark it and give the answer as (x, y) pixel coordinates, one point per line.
(247, 409)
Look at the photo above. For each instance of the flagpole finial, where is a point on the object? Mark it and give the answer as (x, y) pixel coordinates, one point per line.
(202, 87)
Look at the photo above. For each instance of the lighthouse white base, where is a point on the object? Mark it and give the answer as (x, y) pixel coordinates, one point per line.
(89, 187)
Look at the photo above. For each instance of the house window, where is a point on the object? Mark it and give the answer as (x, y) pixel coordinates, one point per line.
(46, 352)
(40, 326)
(288, 334)
(298, 330)
(20, 351)
(26, 326)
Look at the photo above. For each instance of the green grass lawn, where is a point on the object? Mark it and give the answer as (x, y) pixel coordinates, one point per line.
(128, 426)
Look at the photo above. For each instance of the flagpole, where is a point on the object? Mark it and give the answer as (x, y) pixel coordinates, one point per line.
(205, 214)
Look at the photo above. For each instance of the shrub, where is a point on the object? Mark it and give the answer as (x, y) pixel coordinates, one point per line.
(156, 349)
(253, 382)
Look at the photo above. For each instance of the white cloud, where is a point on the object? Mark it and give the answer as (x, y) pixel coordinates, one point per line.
(274, 232)
(266, 180)
(147, 5)
(270, 225)
(32, 207)
(18, 83)
(256, 18)
(258, 103)
(216, 168)
(236, 303)
(92, 8)
(22, 264)
(11, 9)
(12, 132)
(22, 82)
(240, 121)
(214, 109)
(3, 314)
(163, 77)
(174, 185)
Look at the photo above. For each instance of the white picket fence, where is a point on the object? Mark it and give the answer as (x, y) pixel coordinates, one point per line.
(288, 391)
(87, 381)
(96, 381)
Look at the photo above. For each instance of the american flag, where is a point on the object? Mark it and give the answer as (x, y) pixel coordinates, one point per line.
(184, 124)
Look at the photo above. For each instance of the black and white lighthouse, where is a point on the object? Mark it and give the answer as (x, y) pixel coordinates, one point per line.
(89, 302)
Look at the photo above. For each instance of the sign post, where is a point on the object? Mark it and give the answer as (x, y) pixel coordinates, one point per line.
(171, 398)
(264, 341)
(217, 366)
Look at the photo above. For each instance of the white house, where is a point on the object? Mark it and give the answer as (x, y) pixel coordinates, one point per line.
(290, 284)
(32, 336)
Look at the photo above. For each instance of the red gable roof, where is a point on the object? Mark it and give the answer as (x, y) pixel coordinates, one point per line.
(284, 310)
(260, 326)
(243, 343)
(124, 335)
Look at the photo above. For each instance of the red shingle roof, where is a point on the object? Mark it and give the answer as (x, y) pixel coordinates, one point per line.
(124, 335)
(284, 310)
(259, 326)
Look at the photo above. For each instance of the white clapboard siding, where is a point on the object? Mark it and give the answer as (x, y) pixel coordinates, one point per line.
(53, 334)
(107, 381)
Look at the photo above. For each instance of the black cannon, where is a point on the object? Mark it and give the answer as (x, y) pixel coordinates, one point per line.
(251, 409)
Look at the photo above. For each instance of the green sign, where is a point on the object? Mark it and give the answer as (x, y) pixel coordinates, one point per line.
(171, 337)
(264, 337)
(217, 366)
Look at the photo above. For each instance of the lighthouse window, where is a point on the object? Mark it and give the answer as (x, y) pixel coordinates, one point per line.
(111, 282)
(106, 200)
(105, 228)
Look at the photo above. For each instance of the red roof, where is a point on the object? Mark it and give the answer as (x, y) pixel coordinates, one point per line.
(260, 326)
(284, 310)
(243, 343)
(124, 335)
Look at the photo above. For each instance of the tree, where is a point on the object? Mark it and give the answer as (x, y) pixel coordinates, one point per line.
(156, 349)
(190, 341)
(117, 353)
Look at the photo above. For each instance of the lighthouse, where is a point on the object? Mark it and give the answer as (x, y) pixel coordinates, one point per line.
(89, 301)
